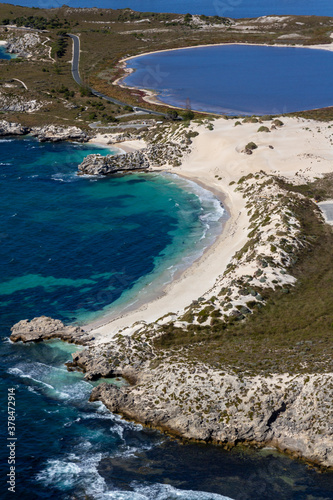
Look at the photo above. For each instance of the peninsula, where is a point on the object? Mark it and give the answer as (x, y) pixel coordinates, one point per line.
(238, 348)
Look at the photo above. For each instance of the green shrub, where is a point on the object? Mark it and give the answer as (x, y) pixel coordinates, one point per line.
(251, 146)
(278, 123)
(250, 119)
(263, 129)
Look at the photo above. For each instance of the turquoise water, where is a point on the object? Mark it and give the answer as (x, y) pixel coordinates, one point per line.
(75, 244)
(69, 247)
(238, 79)
(5, 55)
(230, 8)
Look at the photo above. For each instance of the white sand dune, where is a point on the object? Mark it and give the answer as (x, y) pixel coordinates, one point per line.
(300, 150)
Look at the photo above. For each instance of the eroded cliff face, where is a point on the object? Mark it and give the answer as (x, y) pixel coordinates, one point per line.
(195, 401)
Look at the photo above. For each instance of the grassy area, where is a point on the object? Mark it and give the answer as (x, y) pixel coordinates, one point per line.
(292, 333)
(323, 114)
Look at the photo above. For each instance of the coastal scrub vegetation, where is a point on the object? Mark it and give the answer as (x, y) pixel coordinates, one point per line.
(292, 332)
(263, 129)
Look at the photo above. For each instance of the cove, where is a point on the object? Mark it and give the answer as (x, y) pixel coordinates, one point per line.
(74, 245)
(237, 79)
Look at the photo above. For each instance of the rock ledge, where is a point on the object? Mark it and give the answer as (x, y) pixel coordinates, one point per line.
(44, 328)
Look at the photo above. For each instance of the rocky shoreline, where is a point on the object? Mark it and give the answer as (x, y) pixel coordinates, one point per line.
(44, 328)
(48, 133)
(154, 155)
(193, 401)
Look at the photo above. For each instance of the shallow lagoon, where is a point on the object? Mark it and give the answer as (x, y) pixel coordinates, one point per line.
(238, 79)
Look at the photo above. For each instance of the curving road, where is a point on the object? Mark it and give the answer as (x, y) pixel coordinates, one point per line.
(76, 76)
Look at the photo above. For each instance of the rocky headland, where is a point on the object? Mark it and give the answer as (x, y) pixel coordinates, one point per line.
(105, 165)
(154, 155)
(194, 401)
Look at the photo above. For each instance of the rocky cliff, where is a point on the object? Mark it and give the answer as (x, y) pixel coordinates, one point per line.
(10, 128)
(195, 401)
(53, 133)
(164, 154)
(289, 413)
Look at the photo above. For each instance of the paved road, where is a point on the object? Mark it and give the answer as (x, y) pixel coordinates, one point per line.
(125, 126)
(76, 76)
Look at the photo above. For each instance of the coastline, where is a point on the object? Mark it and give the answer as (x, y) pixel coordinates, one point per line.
(218, 161)
(186, 284)
(203, 166)
(152, 96)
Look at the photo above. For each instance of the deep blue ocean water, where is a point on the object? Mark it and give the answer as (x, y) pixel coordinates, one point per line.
(238, 79)
(69, 247)
(230, 8)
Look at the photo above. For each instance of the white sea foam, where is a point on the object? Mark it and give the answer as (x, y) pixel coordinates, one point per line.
(72, 177)
(55, 382)
(20, 373)
(81, 473)
(168, 492)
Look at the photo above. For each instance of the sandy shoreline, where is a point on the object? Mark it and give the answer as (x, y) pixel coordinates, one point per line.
(185, 286)
(297, 46)
(217, 162)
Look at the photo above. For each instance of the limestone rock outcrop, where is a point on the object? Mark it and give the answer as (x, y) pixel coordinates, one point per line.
(50, 133)
(44, 328)
(11, 128)
(104, 165)
(23, 44)
(53, 133)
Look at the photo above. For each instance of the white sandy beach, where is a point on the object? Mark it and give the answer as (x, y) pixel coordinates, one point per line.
(302, 150)
(126, 147)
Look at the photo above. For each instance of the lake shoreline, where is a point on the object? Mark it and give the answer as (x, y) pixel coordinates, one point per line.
(152, 96)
